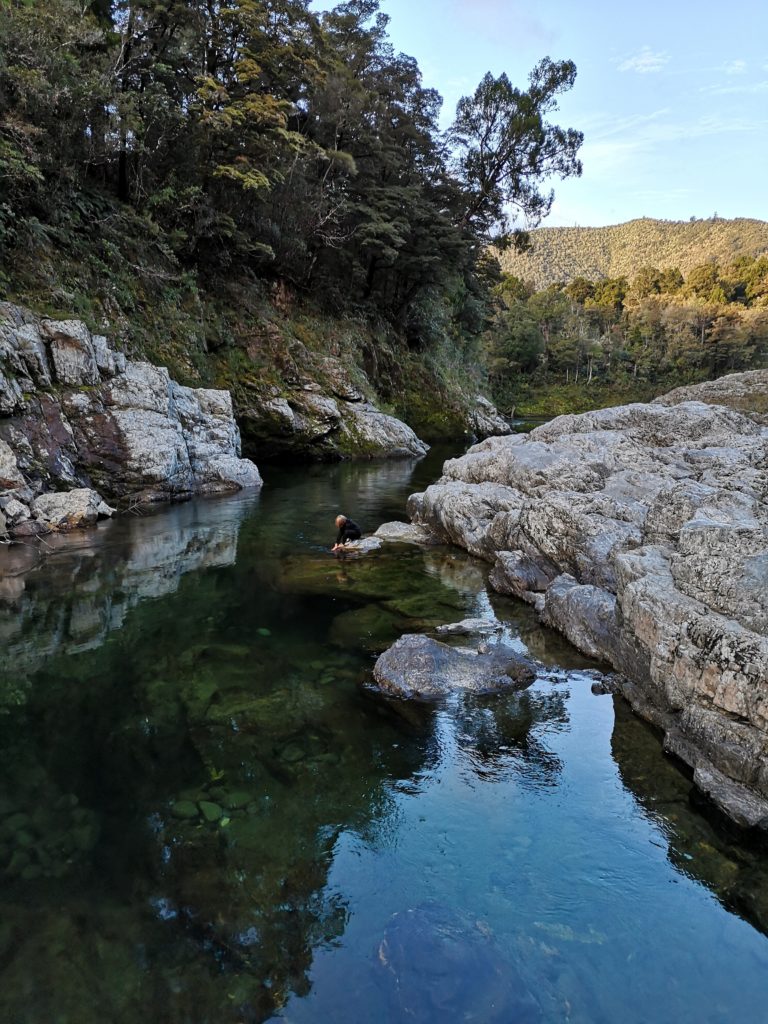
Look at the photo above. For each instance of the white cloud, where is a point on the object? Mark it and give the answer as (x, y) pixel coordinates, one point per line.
(645, 62)
(735, 67)
(745, 88)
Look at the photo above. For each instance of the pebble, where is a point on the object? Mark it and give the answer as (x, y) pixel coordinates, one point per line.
(210, 811)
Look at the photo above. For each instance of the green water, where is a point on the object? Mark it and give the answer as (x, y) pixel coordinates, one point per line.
(206, 816)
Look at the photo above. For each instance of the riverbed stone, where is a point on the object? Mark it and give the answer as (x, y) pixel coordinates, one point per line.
(439, 965)
(469, 627)
(210, 811)
(641, 533)
(418, 667)
(404, 533)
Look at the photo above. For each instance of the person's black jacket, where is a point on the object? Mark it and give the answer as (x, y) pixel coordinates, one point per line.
(349, 531)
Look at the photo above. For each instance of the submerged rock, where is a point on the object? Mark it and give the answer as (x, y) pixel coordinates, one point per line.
(418, 667)
(439, 966)
(641, 533)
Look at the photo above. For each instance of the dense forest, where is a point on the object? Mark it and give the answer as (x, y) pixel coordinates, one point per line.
(586, 343)
(561, 254)
(181, 172)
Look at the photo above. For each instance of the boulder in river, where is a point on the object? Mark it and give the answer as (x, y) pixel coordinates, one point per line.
(69, 510)
(641, 533)
(404, 533)
(421, 668)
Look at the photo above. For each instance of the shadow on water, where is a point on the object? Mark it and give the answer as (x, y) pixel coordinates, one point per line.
(205, 817)
(706, 850)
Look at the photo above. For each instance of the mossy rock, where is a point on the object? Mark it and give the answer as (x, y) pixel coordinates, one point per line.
(210, 811)
(185, 809)
(237, 799)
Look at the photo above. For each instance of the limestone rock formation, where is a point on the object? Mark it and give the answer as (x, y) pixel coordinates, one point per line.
(76, 415)
(640, 532)
(419, 667)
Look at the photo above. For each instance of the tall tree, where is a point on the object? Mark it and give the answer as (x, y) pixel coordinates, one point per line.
(505, 148)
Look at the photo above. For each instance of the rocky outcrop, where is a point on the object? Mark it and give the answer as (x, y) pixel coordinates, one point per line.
(322, 413)
(418, 667)
(641, 532)
(746, 393)
(485, 420)
(76, 415)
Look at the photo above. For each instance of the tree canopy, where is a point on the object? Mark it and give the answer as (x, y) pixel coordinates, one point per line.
(263, 136)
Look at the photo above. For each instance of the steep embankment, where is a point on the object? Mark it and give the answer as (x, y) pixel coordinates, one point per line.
(561, 254)
(305, 384)
(641, 532)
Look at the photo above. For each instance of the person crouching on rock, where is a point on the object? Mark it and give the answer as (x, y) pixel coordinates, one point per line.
(347, 531)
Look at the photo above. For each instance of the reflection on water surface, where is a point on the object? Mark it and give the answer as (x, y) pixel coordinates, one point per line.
(206, 817)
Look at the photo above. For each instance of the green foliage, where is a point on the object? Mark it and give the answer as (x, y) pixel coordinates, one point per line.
(506, 148)
(588, 339)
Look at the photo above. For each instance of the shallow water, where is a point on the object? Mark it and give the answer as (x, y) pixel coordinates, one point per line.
(205, 816)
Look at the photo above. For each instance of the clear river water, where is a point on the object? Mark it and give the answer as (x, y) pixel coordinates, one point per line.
(207, 816)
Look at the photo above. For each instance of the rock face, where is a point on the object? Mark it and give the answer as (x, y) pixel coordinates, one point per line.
(640, 532)
(420, 668)
(485, 420)
(75, 414)
(322, 413)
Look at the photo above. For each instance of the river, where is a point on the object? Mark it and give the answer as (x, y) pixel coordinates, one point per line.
(206, 815)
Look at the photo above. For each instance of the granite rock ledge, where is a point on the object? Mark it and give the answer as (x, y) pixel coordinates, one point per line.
(78, 417)
(641, 533)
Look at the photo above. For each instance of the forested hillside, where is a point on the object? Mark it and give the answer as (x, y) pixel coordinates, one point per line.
(226, 187)
(589, 343)
(562, 254)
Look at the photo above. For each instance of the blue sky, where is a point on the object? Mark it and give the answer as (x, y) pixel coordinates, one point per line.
(672, 97)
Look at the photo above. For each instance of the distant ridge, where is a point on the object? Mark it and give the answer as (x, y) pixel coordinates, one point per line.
(560, 254)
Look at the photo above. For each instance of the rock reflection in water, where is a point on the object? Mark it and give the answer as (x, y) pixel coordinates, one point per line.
(505, 738)
(705, 849)
(72, 598)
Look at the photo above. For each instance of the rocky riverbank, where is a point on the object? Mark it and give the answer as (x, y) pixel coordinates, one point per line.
(81, 426)
(641, 533)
